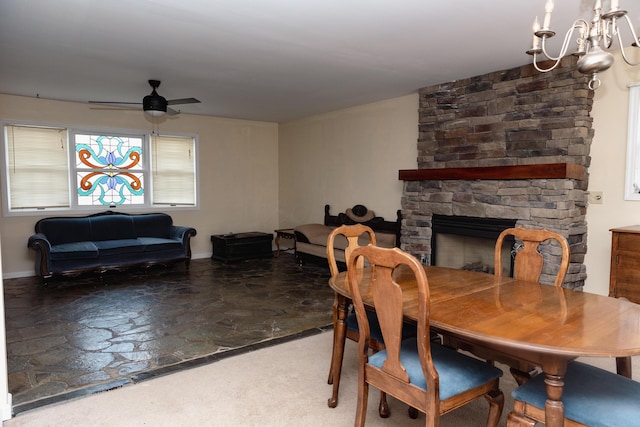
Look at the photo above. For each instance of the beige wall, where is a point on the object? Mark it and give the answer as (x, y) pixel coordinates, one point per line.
(607, 171)
(238, 172)
(347, 157)
(260, 176)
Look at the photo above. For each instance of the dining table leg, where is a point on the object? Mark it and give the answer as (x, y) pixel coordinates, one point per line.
(339, 339)
(554, 408)
(623, 366)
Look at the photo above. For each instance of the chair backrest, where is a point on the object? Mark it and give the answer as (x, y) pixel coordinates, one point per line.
(352, 234)
(529, 262)
(388, 300)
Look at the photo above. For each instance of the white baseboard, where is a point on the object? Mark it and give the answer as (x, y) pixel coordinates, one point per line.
(6, 411)
(200, 256)
(19, 274)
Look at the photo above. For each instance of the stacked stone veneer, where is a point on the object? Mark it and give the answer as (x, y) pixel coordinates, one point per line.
(512, 117)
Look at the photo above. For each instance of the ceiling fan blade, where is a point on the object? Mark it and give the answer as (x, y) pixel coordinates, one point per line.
(114, 108)
(172, 112)
(183, 101)
(114, 103)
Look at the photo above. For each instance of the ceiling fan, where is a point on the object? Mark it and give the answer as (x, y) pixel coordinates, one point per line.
(155, 104)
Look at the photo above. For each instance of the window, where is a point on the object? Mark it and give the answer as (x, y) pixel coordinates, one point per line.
(36, 167)
(64, 168)
(173, 171)
(632, 180)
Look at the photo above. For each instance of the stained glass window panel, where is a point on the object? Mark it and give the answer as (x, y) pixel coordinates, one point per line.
(110, 189)
(108, 152)
(109, 170)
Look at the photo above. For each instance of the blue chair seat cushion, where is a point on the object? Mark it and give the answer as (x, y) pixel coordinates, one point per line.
(458, 372)
(408, 329)
(591, 396)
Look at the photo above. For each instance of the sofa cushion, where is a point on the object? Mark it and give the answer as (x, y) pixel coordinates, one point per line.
(112, 227)
(153, 225)
(317, 234)
(153, 244)
(65, 230)
(76, 250)
(119, 247)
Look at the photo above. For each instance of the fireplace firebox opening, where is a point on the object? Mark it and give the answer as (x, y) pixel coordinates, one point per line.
(468, 243)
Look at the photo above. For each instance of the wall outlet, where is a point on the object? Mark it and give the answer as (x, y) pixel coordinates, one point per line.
(596, 197)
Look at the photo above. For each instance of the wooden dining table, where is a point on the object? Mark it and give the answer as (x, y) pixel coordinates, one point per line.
(539, 324)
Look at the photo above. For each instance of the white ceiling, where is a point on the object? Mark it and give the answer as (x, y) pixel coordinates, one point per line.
(272, 60)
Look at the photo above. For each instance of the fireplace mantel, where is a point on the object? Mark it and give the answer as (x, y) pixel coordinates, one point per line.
(537, 171)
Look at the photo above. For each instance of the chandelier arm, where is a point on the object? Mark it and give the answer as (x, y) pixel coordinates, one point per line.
(635, 38)
(609, 30)
(545, 70)
(565, 43)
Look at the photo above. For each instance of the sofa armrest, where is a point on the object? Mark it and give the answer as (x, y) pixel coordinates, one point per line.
(184, 234)
(39, 243)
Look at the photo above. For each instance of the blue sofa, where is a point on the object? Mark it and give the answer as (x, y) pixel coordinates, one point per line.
(107, 240)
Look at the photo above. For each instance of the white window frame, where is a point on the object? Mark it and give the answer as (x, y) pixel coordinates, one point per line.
(632, 177)
(72, 175)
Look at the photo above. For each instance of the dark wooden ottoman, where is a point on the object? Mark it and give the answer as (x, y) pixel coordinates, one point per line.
(239, 246)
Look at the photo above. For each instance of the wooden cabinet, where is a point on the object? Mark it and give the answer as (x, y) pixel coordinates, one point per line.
(234, 247)
(624, 281)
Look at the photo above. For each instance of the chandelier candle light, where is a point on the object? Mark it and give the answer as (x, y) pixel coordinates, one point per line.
(593, 38)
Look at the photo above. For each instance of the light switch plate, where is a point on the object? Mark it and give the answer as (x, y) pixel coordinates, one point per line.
(596, 197)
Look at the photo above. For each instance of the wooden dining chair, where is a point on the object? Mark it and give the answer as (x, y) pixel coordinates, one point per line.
(353, 234)
(427, 376)
(528, 264)
(528, 261)
(591, 397)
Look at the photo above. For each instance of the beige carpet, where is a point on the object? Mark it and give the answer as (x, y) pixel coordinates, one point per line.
(283, 385)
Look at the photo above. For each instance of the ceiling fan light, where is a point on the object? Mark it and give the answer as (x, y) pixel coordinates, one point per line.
(154, 113)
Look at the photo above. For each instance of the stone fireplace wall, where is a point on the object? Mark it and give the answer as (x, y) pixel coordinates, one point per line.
(505, 118)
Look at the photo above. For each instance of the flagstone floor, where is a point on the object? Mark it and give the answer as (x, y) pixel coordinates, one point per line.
(89, 334)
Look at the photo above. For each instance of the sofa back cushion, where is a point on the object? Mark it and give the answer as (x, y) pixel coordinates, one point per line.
(153, 225)
(385, 240)
(65, 230)
(316, 234)
(112, 227)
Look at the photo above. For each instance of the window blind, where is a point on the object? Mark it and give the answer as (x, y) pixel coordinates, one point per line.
(173, 166)
(37, 162)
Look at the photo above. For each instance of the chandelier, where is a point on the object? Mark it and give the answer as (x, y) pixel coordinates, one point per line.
(593, 38)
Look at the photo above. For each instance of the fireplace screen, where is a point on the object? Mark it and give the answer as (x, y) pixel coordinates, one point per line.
(468, 243)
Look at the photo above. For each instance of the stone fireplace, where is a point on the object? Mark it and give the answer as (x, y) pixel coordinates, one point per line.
(509, 145)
